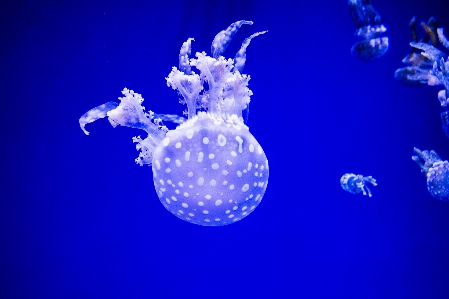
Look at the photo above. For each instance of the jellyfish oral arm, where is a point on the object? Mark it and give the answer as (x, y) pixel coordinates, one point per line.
(96, 113)
(425, 159)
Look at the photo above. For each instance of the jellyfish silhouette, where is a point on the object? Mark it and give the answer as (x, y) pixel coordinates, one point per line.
(436, 171)
(356, 183)
(369, 26)
(210, 170)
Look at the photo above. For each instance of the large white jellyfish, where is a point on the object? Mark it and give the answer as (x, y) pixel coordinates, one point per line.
(210, 170)
(436, 171)
(356, 183)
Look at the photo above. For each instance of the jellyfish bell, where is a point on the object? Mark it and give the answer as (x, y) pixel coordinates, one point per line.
(210, 170)
(370, 49)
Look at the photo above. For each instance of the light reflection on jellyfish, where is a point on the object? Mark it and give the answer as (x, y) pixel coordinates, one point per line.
(210, 170)
(369, 26)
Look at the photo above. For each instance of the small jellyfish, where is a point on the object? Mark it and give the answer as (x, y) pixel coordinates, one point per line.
(419, 66)
(356, 183)
(369, 27)
(436, 171)
(210, 170)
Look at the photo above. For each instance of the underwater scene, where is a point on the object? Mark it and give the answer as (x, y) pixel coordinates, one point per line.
(217, 149)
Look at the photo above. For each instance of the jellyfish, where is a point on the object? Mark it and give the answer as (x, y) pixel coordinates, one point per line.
(429, 65)
(419, 65)
(210, 170)
(369, 27)
(436, 171)
(356, 183)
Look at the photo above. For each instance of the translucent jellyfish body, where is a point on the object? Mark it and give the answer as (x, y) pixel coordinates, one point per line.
(436, 171)
(356, 183)
(210, 170)
(370, 28)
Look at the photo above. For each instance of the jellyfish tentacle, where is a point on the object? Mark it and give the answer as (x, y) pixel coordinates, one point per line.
(425, 159)
(240, 57)
(184, 53)
(189, 86)
(224, 37)
(170, 118)
(442, 38)
(363, 13)
(96, 113)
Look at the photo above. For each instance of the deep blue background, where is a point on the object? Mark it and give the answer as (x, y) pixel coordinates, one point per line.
(79, 219)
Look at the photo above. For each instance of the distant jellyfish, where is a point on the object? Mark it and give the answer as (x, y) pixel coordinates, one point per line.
(356, 183)
(210, 170)
(436, 171)
(369, 26)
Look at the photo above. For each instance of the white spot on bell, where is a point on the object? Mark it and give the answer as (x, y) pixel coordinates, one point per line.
(166, 141)
(240, 141)
(221, 140)
(205, 140)
(245, 187)
(189, 133)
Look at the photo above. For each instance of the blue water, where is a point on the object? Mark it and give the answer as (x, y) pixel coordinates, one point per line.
(79, 219)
